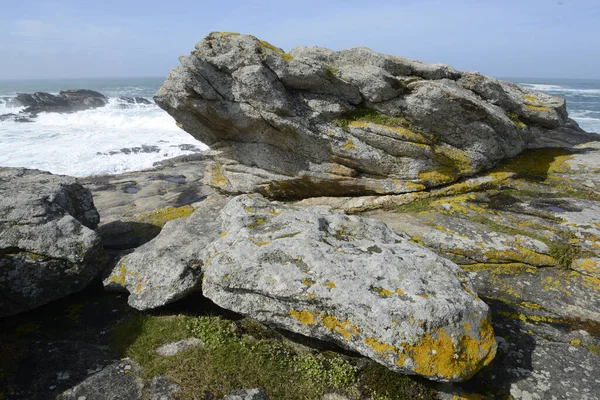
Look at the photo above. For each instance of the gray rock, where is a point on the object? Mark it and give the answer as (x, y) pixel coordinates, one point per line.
(118, 381)
(325, 275)
(170, 349)
(558, 371)
(168, 267)
(317, 122)
(247, 394)
(48, 249)
(351, 281)
(162, 389)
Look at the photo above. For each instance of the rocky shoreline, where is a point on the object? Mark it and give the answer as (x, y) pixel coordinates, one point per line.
(456, 239)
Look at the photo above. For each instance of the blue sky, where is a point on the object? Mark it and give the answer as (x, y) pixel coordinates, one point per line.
(508, 38)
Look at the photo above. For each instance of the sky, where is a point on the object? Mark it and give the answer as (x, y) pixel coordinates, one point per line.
(122, 38)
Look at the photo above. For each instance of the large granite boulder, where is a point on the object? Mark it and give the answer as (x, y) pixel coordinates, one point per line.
(65, 102)
(320, 122)
(339, 278)
(48, 248)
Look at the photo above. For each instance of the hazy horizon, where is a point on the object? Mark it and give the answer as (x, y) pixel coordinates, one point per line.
(64, 39)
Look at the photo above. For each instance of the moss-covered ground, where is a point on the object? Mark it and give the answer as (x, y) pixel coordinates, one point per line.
(246, 354)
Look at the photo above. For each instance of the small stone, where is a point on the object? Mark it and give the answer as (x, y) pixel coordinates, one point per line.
(170, 349)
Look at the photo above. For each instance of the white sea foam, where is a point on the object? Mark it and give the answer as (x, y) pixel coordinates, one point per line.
(80, 144)
(539, 86)
(559, 89)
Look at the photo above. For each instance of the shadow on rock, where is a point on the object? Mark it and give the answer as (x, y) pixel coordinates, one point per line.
(123, 235)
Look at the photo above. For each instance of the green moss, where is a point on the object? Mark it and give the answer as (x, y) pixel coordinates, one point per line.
(415, 206)
(285, 56)
(373, 116)
(564, 253)
(593, 348)
(382, 384)
(515, 119)
(533, 164)
(334, 71)
(248, 354)
(480, 219)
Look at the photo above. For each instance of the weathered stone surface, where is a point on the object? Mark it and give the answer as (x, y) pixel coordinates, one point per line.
(352, 281)
(322, 274)
(134, 206)
(119, 381)
(168, 268)
(529, 237)
(48, 249)
(531, 366)
(317, 122)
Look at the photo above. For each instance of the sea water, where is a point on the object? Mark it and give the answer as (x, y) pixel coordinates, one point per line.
(104, 140)
(100, 141)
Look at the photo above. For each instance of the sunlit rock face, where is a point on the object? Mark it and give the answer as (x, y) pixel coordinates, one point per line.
(320, 122)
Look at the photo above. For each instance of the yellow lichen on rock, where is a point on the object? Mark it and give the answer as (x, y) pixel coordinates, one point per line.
(120, 276)
(343, 328)
(305, 317)
(160, 217)
(349, 145)
(285, 56)
(438, 177)
(439, 355)
(406, 134)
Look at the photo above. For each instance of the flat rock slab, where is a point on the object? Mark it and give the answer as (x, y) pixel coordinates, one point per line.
(134, 206)
(48, 249)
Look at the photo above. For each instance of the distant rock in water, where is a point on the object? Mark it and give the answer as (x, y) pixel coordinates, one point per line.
(320, 122)
(15, 117)
(48, 248)
(135, 100)
(67, 101)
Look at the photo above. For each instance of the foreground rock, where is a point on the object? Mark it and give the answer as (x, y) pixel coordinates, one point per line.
(67, 101)
(48, 249)
(325, 275)
(120, 380)
(318, 122)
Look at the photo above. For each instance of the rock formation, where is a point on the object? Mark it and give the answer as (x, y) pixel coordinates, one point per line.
(325, 275)
(67, 101)
(319, 122)
(48, 249)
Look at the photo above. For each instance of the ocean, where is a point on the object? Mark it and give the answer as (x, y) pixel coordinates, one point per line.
(122, 137)
(117, 138)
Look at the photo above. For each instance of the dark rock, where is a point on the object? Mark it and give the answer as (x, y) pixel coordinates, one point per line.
(67, 101)
(135, 100)
(119, 381)
(82, 99)
(48, 249)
